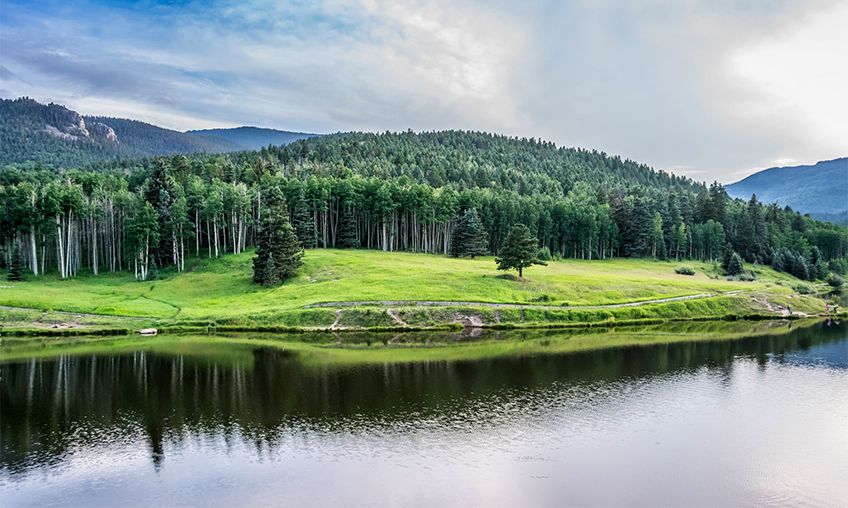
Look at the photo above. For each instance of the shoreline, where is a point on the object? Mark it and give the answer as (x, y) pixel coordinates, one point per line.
(470, 328)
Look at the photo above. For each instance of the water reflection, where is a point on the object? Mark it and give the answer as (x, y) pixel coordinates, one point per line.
(268, 400)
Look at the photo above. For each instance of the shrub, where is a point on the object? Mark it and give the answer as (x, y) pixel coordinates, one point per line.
(746, 277)
(542, 298)
(684, 270)
(802, 289)
(545, 254)
(834, 281)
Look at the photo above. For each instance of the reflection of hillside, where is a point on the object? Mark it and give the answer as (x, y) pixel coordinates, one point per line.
(45, 403)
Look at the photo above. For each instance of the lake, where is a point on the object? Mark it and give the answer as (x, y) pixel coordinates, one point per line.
(754, 421)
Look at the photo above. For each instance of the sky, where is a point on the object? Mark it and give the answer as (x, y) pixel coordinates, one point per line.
(710, 89)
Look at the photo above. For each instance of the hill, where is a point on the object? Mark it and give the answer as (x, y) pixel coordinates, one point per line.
(470, 159)
(252, 138)
(55, 136)
(820, 189)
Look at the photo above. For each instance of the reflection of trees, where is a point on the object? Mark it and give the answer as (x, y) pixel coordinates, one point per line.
(45, 403)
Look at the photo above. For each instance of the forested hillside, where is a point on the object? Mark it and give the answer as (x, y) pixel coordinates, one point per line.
(395, 192)
(820, 189)
(54, 136)
(252, 138)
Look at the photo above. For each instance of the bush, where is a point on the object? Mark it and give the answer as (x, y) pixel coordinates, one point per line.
(802, 289)
(542, 298)
(746, 277)
(684, 270)
(544, 254)
(834, 281)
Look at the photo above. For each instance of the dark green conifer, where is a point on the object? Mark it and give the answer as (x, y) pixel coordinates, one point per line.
(16, 267)
(304, 224)
(735, 266)
(469, 236)
(520, 250)
(348, 238)
(278, 252)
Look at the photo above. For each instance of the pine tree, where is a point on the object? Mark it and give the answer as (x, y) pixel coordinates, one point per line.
(304, 224)
(469, 237)
(289, 253)
(347, 230)
(16, 267)
(519, 251)
(734, 266)
(279, 252)
(778, 262)
(726, 256)
(159, 193)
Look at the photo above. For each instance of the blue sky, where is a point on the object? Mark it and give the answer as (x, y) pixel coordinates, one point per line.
(711, 89)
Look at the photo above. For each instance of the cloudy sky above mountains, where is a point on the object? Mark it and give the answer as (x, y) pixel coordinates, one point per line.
(711, 89)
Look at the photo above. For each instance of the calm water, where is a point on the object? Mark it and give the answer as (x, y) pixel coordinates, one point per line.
(752, 422)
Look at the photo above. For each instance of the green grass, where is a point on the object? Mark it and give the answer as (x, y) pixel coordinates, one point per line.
(221, 290)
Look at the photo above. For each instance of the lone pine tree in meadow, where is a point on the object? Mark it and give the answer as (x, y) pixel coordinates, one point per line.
(279, 252)
(519, 251)
(735, 266)
(469, 237)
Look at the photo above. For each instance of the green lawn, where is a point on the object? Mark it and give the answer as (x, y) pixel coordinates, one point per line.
(219, 289)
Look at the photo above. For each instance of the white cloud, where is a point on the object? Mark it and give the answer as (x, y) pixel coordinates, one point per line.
(704, 88)
(800, 74)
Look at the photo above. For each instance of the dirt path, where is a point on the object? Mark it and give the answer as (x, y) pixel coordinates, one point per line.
(335, 325)
(396, 316)
(435, 303)
(779, 309)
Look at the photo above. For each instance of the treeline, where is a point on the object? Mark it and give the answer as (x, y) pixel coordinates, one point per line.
(383, 192)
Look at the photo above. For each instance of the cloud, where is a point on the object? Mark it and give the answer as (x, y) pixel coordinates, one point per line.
(703, 88)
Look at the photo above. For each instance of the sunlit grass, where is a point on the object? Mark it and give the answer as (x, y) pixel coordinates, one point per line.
(216, 289)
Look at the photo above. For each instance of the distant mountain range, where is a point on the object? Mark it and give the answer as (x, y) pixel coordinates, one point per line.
(820, 189)
(55, 136)
(252, 138)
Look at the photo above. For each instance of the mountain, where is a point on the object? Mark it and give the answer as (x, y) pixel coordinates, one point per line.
(253, 138)
(55, 136)
(820, 189)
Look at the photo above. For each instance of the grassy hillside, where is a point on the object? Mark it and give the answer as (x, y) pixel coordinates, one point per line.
(377, 285)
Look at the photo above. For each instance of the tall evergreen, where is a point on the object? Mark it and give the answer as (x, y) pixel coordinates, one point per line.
(735, 266)
(16, 267)
(348, 238)
(304, 223)
(159, 193)
(520, 250)
(279, 252)
(469, 236)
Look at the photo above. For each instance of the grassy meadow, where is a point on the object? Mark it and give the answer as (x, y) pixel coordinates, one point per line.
(220, 290)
